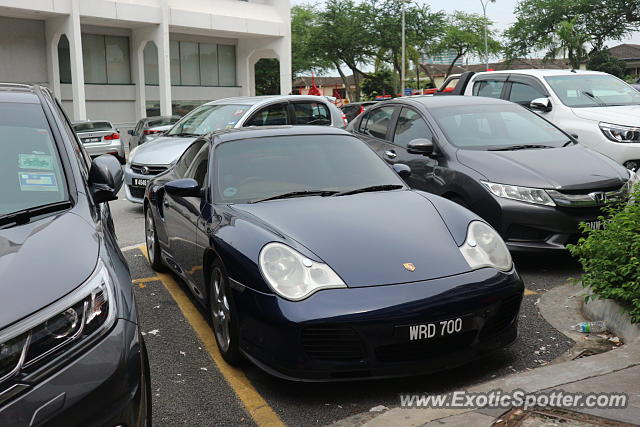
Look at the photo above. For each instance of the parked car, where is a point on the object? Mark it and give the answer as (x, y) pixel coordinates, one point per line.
(100, 137)
(149, 128)
(600, 109)
(158, 155)
(71, 350)
(352, 109)
(527, 178)
(446, 87)
(283, 235)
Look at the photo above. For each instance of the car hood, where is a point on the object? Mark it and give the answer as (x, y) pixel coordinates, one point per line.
(567, 168)
(366, 238)
(162, 150)
(35, 272)
(628, 115)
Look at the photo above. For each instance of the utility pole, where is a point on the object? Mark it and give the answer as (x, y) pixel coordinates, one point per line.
(484, 4)
(403, 54)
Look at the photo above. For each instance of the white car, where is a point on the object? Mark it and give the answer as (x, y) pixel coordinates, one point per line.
(602, 111)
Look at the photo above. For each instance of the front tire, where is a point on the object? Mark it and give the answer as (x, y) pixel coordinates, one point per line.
(223, 315)
(151, 237)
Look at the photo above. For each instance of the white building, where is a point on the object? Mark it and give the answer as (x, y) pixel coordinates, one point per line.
(118, 59)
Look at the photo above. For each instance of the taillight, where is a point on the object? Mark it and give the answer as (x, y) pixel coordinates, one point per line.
(361, 109)
(151, 132)
(112, 137)
(344, 119)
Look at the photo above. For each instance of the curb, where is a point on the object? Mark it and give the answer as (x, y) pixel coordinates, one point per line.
(615, 316)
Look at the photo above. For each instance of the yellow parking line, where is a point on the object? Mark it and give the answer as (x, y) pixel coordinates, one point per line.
(529, 292)
(254, 403)
(146, 279)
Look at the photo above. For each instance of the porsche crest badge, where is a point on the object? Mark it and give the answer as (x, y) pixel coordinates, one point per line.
(409, 266)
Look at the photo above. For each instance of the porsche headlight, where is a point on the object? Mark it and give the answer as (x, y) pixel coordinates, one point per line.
(84, 313)
(619, 133)
(294, 276)
(484, 247)
(522, 194)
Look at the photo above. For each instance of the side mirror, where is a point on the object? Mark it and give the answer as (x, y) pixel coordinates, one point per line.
(130, 132)
(575, 135)
(420, 146)
(184, 187)
(541, 104)
(105, 178)
(403, 170)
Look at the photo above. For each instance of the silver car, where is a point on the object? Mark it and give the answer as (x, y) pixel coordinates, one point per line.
(100, 137)
(149, 128)
(159, 154)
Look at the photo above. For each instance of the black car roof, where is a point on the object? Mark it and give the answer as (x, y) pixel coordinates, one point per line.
(264, 131)
(16, 92)
(450, 101)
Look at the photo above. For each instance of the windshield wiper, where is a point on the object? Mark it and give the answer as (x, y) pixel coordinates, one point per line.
(184, 134)
(592, 96)
(520, 147)
(25, 215)
(384, 187)
(292, 194)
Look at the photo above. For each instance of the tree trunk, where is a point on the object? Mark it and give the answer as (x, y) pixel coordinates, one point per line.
(356, 81)
(458, 56)
(345, 81)
(428, 73)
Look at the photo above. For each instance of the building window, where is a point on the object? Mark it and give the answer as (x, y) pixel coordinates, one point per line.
(106, 59)
(64, 60)
(202, 64)
(150, 54)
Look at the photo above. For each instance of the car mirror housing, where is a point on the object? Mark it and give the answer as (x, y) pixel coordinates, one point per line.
(184, 187)
(541, 104)
(422, 146)
(403, 170)
(130, 132)
(105, 178)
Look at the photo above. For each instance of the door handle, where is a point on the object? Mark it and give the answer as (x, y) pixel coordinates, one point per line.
(390, 154)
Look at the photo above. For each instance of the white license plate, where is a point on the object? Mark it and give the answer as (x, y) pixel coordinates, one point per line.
(594, 225)
(96, 139)
(424, 331)
(140, 182)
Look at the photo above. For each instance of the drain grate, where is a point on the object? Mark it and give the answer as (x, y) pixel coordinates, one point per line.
(553, 418)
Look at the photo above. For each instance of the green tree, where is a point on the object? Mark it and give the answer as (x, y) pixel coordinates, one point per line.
(464, 35)
(378, 83)
(570, 42)
(602, 60)
(305, 57)
(268, 77)
(538, 24)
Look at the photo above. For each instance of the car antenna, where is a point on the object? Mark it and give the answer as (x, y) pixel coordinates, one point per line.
(573, 70)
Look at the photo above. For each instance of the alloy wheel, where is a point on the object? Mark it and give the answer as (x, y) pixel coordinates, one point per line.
(220, 312)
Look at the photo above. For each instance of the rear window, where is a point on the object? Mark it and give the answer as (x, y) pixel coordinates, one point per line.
(311, 113)
(30, 170)
(92, 126)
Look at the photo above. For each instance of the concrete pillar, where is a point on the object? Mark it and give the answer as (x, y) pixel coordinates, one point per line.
(161, 39)
(54, 29)
(74, 35)
(244, 67)
(139, 39)
(284, 55)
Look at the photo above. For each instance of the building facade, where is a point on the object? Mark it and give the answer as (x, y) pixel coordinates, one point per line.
(122, 60)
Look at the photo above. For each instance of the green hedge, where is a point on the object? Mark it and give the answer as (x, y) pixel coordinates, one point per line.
(610, 256)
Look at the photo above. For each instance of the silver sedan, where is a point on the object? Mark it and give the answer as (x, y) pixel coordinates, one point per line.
(157, 155)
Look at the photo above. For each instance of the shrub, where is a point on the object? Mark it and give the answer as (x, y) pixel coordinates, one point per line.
(610, 256)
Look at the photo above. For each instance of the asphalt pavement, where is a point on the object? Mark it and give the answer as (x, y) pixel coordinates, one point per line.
(191, 389)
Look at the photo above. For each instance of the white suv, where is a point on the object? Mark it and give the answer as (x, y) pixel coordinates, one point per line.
(598, 108)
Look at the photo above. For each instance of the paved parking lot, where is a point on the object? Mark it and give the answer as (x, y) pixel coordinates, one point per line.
(192, 386)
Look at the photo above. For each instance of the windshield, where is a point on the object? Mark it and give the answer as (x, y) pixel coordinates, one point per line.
(593, 90)
(92, 126)
(30, 170)
(488, 127)
(163, 121)
(209, 118)
(255, 169)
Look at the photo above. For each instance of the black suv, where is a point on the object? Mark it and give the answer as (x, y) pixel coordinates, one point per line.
(71, 351)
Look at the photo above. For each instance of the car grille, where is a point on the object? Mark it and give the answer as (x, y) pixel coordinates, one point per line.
(137, 192)
(521, 233)
(419, 350)
(332, 342)
(152, 170)
(501, 320)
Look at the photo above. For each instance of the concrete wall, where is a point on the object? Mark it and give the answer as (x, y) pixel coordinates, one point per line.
(22, 51)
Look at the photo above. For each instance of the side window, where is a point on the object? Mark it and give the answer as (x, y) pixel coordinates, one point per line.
(187, 157)
(84, 160)
(311, 113)
(378, 122)
(138, 128)
(362, 126)
(199, 166)
(409, 127)
(489, 88)
(523, 93)
(273, 115)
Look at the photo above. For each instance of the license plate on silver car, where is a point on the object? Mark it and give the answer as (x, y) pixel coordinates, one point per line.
(140, 182)
(96, 139)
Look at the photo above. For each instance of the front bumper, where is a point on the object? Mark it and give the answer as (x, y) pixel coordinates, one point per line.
(134, 194)
(352, 333)
(102, 386)
(115, 147)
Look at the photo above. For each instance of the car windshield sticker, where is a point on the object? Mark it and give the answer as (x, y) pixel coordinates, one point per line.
(35, 161)
(230, 191)
(239, 112)
(38, 181)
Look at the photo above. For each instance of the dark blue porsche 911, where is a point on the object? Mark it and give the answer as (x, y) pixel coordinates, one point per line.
(316, 261)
